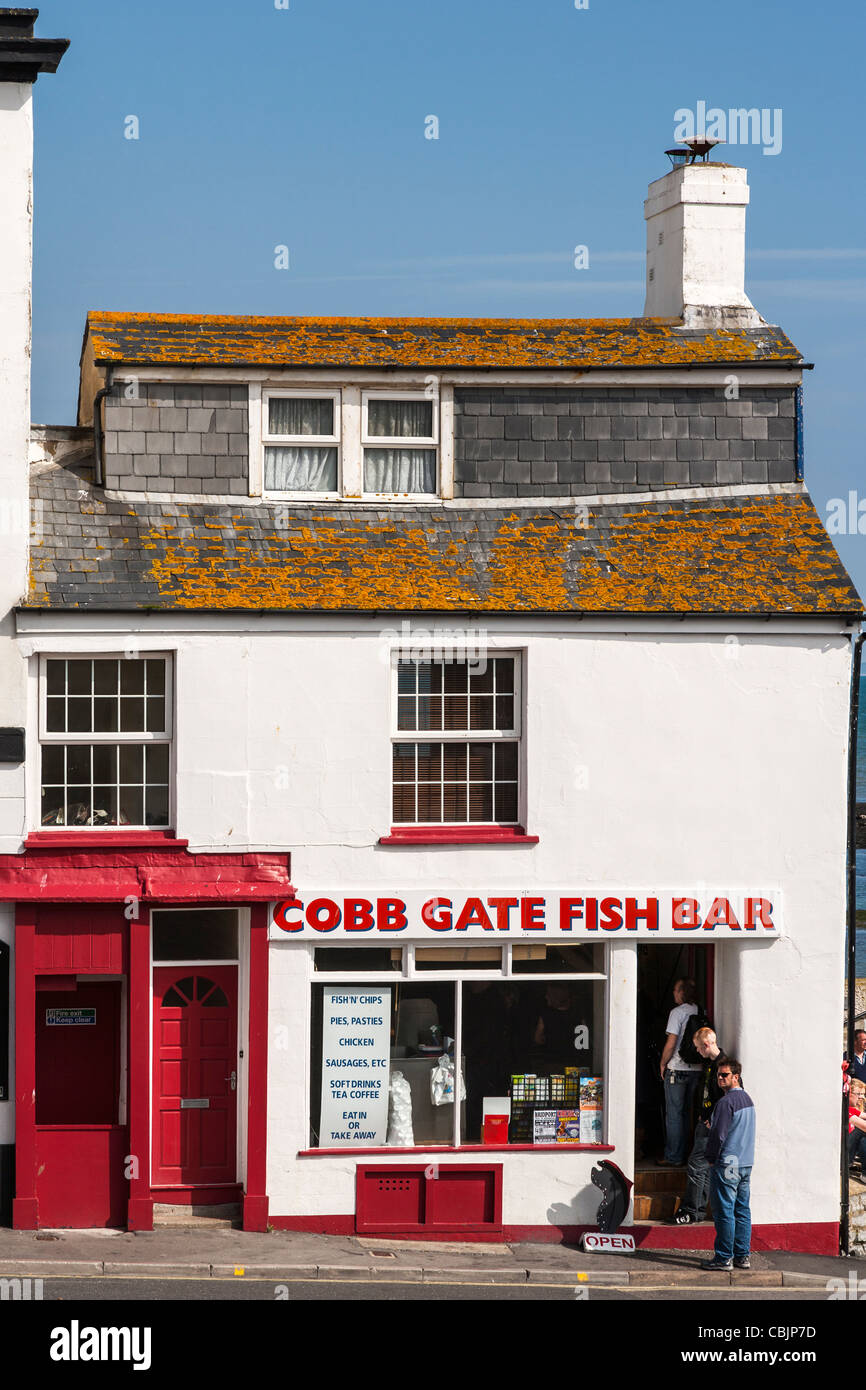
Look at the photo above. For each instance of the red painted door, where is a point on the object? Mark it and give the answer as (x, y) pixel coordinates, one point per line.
(195, 1072)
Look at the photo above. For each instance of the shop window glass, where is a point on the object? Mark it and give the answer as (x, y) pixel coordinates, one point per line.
(546, 1031)
(542, 958)
(459, 957)
(530, 1061)
(372, 958)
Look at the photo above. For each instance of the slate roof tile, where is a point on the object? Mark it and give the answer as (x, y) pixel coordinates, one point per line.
(756, 554)
(351, 343)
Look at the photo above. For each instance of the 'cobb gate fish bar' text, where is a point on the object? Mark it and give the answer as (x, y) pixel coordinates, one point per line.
(559, 914)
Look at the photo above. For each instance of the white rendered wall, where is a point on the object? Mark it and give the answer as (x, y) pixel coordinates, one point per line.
(669, 759)
(16, 255)
(16, 211)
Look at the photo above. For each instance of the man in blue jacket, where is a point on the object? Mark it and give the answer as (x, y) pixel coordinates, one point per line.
(731, 1152)
(857, 1069)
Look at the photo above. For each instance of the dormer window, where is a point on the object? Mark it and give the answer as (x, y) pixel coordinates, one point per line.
(350, 443)
(400, 434)
(301, 438)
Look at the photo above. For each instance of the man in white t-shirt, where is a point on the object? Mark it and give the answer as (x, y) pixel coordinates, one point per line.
(680, 1078)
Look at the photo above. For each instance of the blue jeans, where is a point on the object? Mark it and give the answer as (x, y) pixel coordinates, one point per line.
(857, 1146)
(679, 1089)
(698, 1172)
(729, 1190)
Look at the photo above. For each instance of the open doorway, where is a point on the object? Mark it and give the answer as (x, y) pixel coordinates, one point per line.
(659, 967)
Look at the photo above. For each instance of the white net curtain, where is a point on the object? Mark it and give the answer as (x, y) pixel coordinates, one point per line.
(293, 468)
(406, 469)
(301, 467)
(306, 462)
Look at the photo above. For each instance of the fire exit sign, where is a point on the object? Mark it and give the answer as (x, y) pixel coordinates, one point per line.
(65, 1017)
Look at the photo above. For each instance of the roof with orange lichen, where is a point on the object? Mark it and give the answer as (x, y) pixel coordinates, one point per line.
(766, 554)
(570, 344)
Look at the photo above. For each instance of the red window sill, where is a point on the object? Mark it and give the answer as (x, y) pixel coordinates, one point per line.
(458, 835)
(118, 839)
(395, 1152)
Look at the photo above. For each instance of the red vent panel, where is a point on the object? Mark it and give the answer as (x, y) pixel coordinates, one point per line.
(428, 1197)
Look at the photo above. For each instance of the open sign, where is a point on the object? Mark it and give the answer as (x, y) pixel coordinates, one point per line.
(619, 1245)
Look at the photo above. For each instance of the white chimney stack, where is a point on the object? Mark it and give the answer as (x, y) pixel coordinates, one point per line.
(22, 59)
(16, 217)
(696, 247)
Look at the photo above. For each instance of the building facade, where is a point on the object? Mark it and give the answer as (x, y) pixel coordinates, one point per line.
(404, 706)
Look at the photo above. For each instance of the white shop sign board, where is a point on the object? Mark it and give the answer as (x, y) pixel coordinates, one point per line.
(389, 915)
(356, 1051)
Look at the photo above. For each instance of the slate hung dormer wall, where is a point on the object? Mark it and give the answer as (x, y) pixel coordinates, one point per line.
(558, 443)
(194, 439)
(178, 438)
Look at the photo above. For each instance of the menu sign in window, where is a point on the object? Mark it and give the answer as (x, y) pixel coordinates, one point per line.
(356, 1040)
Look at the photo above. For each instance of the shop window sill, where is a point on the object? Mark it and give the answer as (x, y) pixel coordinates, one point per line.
(458, 835)
(394, 1151)
(117, 839)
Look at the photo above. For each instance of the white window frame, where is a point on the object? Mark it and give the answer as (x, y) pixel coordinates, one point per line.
(456, 977)
(513, 735)
(60, 738)
(375, 441)
(309, 441)
(351, 439)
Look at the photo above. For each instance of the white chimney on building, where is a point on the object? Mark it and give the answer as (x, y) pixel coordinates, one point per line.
(22, 59)
(696, 247)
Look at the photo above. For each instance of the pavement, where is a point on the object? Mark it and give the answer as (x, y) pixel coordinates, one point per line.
(289, 1255)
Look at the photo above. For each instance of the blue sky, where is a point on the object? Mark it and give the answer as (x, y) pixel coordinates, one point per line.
(305, 127)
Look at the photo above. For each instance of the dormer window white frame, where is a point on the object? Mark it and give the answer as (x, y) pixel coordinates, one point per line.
(400, 444)
(301, 439)
(332, 443)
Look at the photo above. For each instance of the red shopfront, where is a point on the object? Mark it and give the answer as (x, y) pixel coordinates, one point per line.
(141, 999)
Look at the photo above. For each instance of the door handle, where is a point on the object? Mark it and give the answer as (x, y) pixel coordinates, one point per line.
(233, 1079)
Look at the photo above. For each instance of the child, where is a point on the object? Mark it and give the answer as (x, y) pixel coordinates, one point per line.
(856, 1124)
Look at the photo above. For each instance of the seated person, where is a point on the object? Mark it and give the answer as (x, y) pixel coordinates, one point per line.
(856, 1125)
